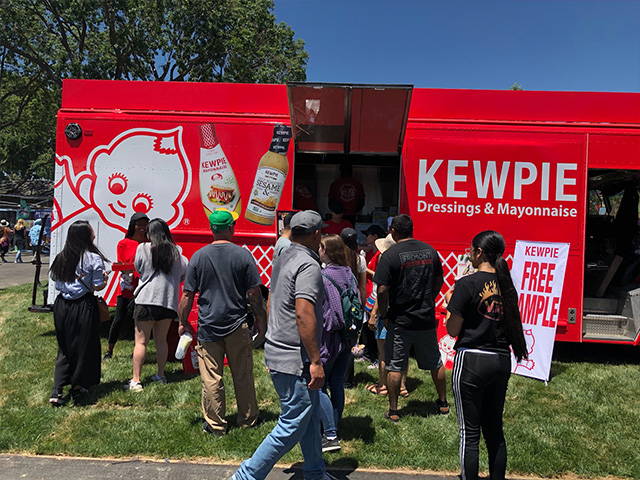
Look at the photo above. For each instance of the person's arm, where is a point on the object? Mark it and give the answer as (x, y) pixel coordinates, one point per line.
(383, 302)
(306, 323)
(362, 285)
(257, 306)
(191, 283)
(184, 308)
(460, 297)
(454, 324)
(372, 323)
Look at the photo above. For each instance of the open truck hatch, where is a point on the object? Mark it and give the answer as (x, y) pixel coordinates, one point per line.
(349, 119)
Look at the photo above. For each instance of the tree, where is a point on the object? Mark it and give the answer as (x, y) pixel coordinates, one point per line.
(43, 42)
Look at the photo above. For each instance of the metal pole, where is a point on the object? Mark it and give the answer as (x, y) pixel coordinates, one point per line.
(36, 280)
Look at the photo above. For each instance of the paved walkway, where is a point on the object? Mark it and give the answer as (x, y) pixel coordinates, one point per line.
(15, 467)
(13, 274)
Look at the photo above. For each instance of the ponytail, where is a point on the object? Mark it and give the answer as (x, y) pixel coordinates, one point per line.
(512, 320)
(492, 245)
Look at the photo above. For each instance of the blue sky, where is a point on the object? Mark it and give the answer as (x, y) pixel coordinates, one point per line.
(582, 45)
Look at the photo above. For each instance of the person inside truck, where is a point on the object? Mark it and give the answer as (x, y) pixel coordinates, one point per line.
(348, 192)
(486, 320)
(336, 221)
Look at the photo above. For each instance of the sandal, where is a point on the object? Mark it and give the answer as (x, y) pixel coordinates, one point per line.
(443, 407)
(392, 415)
(404, 393)
(377, 389)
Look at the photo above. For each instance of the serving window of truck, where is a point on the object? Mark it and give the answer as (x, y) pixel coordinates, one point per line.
(537, 166)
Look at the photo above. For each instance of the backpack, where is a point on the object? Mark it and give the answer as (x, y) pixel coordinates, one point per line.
(352, 311)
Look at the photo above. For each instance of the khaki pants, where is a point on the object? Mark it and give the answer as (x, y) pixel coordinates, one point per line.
(237, 347)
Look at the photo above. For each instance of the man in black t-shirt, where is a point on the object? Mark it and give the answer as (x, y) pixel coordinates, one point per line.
(409, 278)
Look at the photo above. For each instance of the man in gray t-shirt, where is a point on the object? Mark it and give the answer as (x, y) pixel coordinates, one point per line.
(225, 276)
(292, 353)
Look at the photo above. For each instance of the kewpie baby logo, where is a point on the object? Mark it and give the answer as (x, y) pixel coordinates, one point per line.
(122, 182)
(140, 170)
(526, 363)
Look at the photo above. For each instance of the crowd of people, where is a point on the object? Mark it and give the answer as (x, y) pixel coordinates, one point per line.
(19, 237)
(323, 294)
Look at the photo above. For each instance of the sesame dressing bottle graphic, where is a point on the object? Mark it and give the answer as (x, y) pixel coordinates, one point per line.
(270, 177)
(218, 184)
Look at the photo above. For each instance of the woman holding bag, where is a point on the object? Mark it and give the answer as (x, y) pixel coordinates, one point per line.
(486, 320)
(78, 270)
(162, 269)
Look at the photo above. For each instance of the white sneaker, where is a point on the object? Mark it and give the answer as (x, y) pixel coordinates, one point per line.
(159, 378)
(133, 386)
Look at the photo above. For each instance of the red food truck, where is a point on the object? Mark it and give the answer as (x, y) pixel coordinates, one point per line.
(538, 166)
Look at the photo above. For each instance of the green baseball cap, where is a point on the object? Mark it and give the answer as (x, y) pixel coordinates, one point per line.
(221, 219)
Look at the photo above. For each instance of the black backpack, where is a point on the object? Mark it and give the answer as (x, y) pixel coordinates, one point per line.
(352, 311)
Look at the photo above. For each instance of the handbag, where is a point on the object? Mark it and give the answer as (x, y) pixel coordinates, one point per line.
(103, 309)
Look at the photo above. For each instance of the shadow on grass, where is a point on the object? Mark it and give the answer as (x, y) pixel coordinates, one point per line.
(50, 333)
(413, 383)
(596, 353)
(364, 377)
(419, 408)
(357, 428)
(340, 469)
(265, 416)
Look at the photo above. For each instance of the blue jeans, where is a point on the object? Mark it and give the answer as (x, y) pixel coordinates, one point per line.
(331, 408)
(299, 421)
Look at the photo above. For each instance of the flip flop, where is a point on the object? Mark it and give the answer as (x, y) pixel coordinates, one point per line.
(377, 389)
(392, 415)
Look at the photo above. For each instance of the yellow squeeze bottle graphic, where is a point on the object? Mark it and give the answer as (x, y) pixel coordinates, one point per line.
(270, 177)
(218, 184)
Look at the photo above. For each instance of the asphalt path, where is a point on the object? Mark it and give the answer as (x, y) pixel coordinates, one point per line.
(13, 274)
(14, 467)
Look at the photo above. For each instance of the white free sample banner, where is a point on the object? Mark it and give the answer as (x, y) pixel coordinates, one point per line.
(538, 275)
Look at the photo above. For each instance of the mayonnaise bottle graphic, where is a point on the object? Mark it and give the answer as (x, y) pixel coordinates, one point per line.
(218, 184)
(270, 177)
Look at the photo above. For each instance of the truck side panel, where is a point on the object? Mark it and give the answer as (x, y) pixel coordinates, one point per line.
(150, 162)
(524, 183)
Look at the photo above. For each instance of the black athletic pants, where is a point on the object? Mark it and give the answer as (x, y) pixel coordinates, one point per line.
(480, 381)
(123, 312)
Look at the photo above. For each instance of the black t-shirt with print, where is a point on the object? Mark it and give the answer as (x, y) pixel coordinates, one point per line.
(410, 269)
(476, 298)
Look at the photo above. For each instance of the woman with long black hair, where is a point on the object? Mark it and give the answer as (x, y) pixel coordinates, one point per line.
(78, 270)
(161, 268)
(486, 320)
(126, 254)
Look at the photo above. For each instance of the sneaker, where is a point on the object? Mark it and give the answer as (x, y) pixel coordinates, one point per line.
(372, 366)
(208, 429)
(330, 445)
(159, 379)
(107, 356)
(133, 386)
(56, 400)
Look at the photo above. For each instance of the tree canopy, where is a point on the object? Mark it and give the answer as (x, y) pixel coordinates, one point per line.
(43, 42)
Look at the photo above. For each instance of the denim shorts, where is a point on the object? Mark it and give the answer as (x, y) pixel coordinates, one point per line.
(381, 330)
(398, 345)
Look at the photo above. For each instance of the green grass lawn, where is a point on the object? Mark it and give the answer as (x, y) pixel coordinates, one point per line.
(585, 421)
